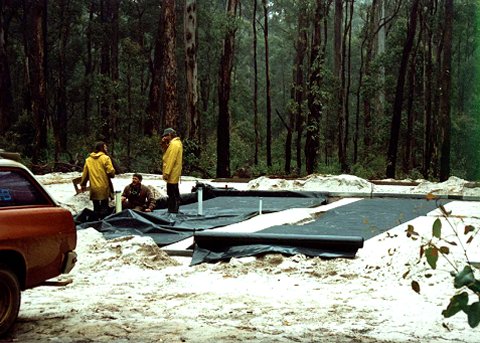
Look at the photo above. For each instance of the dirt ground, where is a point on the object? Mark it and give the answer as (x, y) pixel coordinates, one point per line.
(129, 290)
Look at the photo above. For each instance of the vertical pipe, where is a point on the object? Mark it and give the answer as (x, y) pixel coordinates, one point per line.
(118, 201)
(200, 200)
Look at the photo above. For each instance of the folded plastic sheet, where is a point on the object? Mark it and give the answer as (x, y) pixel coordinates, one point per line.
(211, 246)
(224, 208)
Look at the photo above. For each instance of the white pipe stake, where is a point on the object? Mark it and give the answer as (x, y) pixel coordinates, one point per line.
(200, 200)
(260, 204)
(118, 201)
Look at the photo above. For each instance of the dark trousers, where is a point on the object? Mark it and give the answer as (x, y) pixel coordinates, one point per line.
(173, 201)
(100, 207)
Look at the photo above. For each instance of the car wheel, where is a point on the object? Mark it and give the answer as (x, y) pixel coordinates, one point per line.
(9, 299)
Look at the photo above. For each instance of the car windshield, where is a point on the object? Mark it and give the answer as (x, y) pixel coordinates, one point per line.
(17, 190)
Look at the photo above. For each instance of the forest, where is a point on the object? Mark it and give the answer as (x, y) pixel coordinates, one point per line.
(374, 88)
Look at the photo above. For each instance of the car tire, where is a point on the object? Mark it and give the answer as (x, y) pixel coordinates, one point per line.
(9, 299)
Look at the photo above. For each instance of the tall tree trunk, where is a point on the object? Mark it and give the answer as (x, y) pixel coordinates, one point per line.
(224, 87)
(438, 44)
(398, 103)
(27, 91)
(446, 82)
(363, 73)
(191, 47)
(36, 10)
(130, 114)
(368, 94)
(61, 119)
(312, 142)
(115, 74)
(339, 72)
(6, 99)
(382, 34)
(169, 96)
(206, 79)
(296, 113)
(88, 75)
(428, 136)
(255, 83)
(153, 121)
(329, 132)
(139, 37)
(267, 78)
(411, 119)
(106, 18)
(346, 78)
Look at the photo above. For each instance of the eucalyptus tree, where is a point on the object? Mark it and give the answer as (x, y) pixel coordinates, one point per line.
(399, 93)
(315, 103)
(170, 97)
(224, 88)
(445, 95)
(35, 12)
(191, 66)
(339, 72)
(298, 89)
(255, 81)
(153, 120)
(268, 85)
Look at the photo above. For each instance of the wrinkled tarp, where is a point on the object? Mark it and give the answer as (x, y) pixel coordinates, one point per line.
(226, 207)
(349, 224)
(211, 246)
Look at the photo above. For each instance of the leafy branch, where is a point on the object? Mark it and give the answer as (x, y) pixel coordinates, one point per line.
(464, 280)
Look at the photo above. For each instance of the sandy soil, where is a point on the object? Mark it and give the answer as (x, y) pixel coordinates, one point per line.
(128, 289)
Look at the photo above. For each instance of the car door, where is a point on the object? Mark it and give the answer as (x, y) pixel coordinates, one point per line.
(33, 225)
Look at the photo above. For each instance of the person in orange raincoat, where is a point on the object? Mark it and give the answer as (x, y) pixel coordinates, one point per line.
(172, 168)
(98, 170)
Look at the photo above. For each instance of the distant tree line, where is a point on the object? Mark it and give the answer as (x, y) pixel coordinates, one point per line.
(376, 88)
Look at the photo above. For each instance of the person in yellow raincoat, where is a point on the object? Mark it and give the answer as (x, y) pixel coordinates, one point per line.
(98, 170)
(172, 168)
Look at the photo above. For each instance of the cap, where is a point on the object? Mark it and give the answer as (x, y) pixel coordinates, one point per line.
(168, 131)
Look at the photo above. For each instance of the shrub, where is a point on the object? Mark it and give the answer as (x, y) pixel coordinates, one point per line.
(464, 279)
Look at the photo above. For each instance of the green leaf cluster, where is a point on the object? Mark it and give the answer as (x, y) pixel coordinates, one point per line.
(468, 284)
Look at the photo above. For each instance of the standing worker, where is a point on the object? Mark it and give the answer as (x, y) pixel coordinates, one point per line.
(138, 197)
(98, 170)
(172, 168)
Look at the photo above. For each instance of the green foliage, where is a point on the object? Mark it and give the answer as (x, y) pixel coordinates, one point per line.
(194, 162)
(242, 145)
(329, 169)
(127, 96)
(372, 167)
(465, 280)
(147, 155)
(23, 135)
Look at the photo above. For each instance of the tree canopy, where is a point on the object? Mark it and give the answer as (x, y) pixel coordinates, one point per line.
(374, 88)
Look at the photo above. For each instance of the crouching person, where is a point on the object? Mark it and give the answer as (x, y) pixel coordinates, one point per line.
(138, 197)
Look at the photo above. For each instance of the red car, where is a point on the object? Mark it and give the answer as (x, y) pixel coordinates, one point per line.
(37, 238)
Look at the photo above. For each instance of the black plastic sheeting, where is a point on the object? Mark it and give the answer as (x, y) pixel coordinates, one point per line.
(225, 206)
(339, 232)
(366, 218)
(211, 246)
(157, 225)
